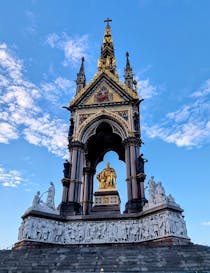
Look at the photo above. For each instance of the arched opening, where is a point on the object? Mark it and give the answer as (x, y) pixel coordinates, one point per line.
(101, 142)
(120, 169)
(98, 146)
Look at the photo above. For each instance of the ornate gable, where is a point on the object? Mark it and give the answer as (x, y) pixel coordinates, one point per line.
(105, 88)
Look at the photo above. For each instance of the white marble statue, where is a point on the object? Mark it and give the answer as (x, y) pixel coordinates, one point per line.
(36, 200)
(157, 195)
(152, 189)
(48, 206)
(50, 196)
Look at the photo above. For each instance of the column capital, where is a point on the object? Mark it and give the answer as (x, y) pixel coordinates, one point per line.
(65, 181)
(141, 176)
(77, 145)
(132, 141)
(89, 170)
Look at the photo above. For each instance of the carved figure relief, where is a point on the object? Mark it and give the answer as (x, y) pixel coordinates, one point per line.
(151, 227)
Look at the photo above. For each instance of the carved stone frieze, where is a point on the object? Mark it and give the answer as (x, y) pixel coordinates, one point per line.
(155, 226)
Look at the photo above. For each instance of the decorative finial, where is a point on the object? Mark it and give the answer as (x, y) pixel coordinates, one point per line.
(127, 61)
(107, 21)
(81, 79)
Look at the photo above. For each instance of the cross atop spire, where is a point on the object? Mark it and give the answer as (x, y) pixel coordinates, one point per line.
(107, 60)
(107, 21)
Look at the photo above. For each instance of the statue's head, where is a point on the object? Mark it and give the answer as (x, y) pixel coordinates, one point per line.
(108, 165)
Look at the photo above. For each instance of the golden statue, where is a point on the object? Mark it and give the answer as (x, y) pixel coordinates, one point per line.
(107, 178)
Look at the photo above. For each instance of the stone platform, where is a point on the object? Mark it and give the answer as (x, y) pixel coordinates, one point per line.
(161, 223)
(122, 258)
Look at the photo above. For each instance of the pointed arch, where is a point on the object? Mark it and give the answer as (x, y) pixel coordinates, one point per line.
(117, 124)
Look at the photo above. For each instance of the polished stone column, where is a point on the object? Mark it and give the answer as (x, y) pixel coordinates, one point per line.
(133, 172)
(128, 172)
(65, 182)
(77, 149)
(71, 197)
(88, 189)
(134, 194)
(73, 176)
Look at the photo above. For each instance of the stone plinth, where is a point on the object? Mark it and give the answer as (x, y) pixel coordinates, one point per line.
(163, 223)
(106, 201)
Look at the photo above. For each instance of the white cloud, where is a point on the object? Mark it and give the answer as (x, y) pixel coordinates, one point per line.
(49, 133)
(145, 89)
(180, 115)
(10, 178)
(21, 115)
(189, 126)
(54, 91)
(206, 223)
(53, 39)
(7, 132)
(204, 90)
(73, 48)
(32, 26)
(10, 64)
(63, 83)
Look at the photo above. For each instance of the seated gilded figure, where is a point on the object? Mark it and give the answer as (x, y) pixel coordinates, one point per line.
(107, 178)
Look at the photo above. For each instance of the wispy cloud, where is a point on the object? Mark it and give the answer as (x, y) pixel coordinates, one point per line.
(10, 178)
(44, 131)
(188, 126)
(32, 25)
(206, 223)
(73, 48)
(204, 90)
(21, 115)
(7, 131)
(54, 91)
(145, 89)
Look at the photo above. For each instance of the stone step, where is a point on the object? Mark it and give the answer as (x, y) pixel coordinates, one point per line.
(122, 259)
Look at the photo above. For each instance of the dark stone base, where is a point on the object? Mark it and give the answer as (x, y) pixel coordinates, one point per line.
(167, 241)
(111, 209)
(134, 205)
(106, 208)
(69, 208)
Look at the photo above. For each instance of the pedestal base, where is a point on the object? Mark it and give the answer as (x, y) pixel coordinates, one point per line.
(106, 202)
(134, 205)
(69, 208)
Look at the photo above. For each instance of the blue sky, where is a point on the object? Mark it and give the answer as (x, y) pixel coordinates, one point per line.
(41, 45)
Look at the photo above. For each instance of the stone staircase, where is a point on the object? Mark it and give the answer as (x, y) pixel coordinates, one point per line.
(107, 259)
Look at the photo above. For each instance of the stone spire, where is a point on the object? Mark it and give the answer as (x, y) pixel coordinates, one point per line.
(107, 60)
(128, 73)
(81, 79)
